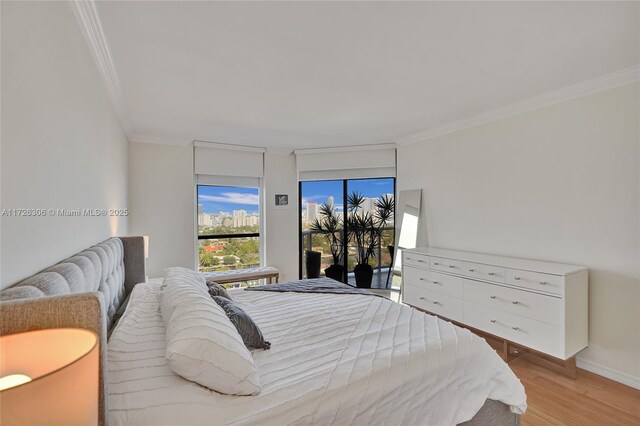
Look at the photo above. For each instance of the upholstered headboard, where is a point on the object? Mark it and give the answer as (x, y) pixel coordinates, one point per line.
(111, 267)
(82, 291)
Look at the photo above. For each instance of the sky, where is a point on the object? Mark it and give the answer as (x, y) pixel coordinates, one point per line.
(215, 199)
(319, 191)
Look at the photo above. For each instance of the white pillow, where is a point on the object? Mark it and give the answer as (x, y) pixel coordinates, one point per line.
(177, 274)
(202, 344)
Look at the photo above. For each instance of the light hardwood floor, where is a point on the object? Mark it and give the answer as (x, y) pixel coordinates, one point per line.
(554, 399)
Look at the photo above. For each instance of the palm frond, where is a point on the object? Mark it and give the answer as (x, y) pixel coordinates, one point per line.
(365, 228)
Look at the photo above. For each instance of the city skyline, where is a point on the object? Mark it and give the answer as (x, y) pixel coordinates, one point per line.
(315, 193)
(320, 191)
(216, 202)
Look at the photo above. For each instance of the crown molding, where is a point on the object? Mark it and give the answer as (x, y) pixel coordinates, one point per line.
(283, 151)
(161, 140)
(227, 146)
(89, 22)
(609, 81)
(350, 148)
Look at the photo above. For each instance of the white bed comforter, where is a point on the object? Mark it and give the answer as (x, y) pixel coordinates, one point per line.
(334, 359)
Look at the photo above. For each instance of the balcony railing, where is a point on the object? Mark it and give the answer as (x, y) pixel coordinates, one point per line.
(383, 259)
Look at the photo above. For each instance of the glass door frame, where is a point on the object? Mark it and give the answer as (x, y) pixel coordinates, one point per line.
(345, 189)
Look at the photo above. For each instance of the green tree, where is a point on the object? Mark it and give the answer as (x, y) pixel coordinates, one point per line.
(207, 260)
(251, 259)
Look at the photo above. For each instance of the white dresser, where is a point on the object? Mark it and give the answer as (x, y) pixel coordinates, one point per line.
(539, 305)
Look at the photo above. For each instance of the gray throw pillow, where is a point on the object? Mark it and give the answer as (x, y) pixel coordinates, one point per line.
(248, 330)
(217, 290)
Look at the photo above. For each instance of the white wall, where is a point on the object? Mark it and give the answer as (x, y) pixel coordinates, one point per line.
(560, 184)
(61, 143)
(162, 203)
(281, 230)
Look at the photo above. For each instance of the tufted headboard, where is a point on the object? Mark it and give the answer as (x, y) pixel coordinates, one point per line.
(111, 267)
(82, 291)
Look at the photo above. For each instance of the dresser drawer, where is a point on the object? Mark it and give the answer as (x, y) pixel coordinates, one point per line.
(415, 259)
(484, 272)
(539, 307)
(437, 303)
(534, 334)
(536, 281)
(431, 280)
(446, 265)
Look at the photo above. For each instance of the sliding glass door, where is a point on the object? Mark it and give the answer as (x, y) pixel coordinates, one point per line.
(323, 208)
(372, 192)
(316, 199)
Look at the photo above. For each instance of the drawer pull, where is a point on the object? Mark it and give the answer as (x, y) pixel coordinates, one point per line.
(435, 302)
(471, 270)
(451, 266)
(491, 273)
(543, 283)
(493, 321)
(421, 279)
(435, 263)
(420, 261)
(515, 327)
(516, 278)
(436, 282)
(422, 298)
(493, 297)
(515, 302)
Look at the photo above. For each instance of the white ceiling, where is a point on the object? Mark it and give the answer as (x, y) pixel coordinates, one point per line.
(318, 74)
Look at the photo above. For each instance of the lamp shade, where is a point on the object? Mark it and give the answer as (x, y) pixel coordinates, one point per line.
(146, 246)
(49, 377)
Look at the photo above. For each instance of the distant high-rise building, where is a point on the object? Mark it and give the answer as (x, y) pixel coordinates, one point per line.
(201, 215)
(253, 220)
(330, 201)
(215, 220)
(367, 205)
(312, 211)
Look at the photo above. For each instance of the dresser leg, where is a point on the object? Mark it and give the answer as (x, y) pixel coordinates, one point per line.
(567, 368)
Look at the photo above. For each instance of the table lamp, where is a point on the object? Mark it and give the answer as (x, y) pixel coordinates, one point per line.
(49, 377)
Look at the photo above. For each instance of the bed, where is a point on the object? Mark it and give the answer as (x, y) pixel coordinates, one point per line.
(341, 359)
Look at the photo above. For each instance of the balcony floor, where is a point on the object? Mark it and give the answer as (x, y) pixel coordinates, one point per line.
(379, 280)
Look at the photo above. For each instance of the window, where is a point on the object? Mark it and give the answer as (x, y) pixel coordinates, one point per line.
(228, 228)
(315, 194)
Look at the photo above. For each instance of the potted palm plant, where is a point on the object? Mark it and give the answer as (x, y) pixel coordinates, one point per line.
(330, 226)
(364, 231)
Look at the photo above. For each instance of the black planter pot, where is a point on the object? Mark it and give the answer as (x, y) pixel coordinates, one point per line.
(335, 271)
(364, 275)
(312, 263)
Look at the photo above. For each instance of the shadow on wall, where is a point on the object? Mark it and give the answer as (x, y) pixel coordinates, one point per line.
(605, 303)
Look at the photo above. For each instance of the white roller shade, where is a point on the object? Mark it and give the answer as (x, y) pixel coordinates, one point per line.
(211, 159)
(372, 161)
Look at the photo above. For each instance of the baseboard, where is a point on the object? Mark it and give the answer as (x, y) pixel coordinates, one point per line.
(609, 373)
